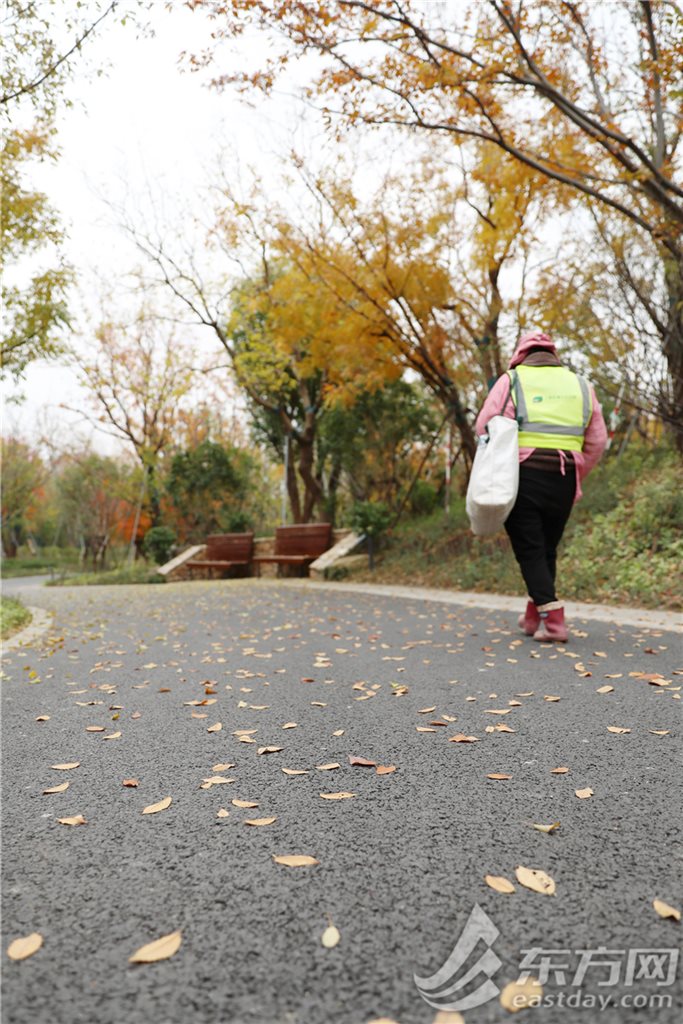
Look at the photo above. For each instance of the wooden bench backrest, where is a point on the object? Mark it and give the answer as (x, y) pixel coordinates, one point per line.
(229, 547)
(303, 539)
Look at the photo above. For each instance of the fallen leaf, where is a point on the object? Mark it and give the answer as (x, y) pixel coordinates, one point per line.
(448, 1017)
(112, 736)
(518, 995)
(216, 727)
(497, 711)
(289, 725)
(617, 729)
(559, 771)
(337, 796)
(222, 767)
(498, 776)
(385, 769)
(605, 689)
(300, 771)
(295, 860)
(666, 911)
(160, 949)
(43, 718)
(338, 732)
(499, 883)
(244, 803)
(461, 738)
(20, 949)
(94, 728)
(546, 828)
(583, 794)
(419, 728)
(659, 732)
(57, 789)
(66, 767)
(222, 813)
(551, 699)
(161, 806)
(77, 819)
(362, 762)
(269, 750)
(330, 937)
(537, 881)
(259, 821)
(215, 780)
(426, 711)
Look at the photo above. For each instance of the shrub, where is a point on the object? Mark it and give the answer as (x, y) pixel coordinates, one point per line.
(158, 543)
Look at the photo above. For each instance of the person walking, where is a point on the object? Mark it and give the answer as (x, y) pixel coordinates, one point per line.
(562, 435)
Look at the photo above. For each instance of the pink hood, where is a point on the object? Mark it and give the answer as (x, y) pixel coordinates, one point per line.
(532, 339)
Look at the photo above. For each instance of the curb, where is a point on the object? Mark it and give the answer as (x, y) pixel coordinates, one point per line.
(645, 618)
(41, 620)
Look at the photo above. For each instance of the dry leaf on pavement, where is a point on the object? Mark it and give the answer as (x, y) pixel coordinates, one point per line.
(295, 860)
(537, 881)
(385, 769)
(161, 806)
(216, 727)
(130, 783)
(362, 762)
(330, 937)
(499, 883)
(518, 995)
(501, 776)
(617, 729)
(269, 750)
(546, 828)
(337, 796)
(244, 803)
(57, 789)
(77, 819)
(665, 910)
(22, 948)
(66, 767)
(260, 821)
(297, 771)
(160, 949)
(559, 771)
(583, 794)
(461, 738)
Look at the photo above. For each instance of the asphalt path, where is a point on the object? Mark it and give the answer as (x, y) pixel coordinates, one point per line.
(401, 863)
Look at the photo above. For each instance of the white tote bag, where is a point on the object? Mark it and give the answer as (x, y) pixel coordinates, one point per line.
(494, 480)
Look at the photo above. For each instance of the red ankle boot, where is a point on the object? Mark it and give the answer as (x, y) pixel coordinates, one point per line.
(552, 628)
(531, 620)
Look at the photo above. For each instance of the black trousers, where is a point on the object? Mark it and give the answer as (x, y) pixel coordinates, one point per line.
(536, 524)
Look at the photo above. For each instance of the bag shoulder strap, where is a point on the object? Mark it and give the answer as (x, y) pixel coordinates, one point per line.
(517, 396)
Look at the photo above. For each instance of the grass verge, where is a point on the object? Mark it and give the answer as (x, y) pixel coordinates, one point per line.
(13, 617)
(623, 545)
(137, 573)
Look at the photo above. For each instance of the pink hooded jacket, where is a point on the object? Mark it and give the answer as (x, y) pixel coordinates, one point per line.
(499, 403)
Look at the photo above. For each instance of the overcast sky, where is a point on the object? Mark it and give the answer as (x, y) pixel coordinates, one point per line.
(144, 126)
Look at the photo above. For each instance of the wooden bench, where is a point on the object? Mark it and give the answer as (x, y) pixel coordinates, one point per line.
(224, 551)
(297, 546)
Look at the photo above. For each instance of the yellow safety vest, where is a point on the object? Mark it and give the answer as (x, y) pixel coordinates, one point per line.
(553, 407)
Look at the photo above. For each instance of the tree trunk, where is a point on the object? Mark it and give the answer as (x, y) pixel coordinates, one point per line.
(313, 492)
(672, 348)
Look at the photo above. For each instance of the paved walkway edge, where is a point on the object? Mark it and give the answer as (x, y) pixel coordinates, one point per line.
(41, 621)
(646, 618)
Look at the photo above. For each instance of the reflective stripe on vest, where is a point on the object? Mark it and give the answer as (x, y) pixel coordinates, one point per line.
(553, 407)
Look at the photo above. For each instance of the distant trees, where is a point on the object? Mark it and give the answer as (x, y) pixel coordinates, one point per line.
(585, 95)
(23, 474)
